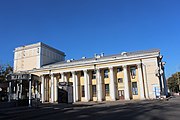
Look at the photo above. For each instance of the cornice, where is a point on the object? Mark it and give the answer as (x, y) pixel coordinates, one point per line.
(92, 61)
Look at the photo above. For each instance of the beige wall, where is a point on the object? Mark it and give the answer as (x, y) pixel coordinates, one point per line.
(34, 56)
(150, 67)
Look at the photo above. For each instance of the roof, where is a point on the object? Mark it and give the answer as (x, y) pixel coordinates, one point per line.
(123, 55)
(36, 45)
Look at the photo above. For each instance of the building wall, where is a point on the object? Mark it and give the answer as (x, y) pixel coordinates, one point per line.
(42, 57)
(149, 66)
(34, 56)
(26, 58)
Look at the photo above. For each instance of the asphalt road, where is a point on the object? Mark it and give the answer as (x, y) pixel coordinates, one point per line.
(118, 110)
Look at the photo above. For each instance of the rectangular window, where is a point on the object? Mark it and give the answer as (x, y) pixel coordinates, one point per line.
(120, 80)
(134, 88)
(83, 92)
(93, 74)
(133, 72)
(120, 69)
(107, 89)
(94, 90)
(106, 73)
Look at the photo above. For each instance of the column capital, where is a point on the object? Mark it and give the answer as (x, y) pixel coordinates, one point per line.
(111, 67)
(139, 65)
(98, 69)
(85, 70)
(51, 75)
(62, 73)
(73, 72)
(124, 66)
(42, 75)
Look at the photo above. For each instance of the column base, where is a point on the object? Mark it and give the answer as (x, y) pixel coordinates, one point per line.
(127, 99)
(142, 98)
(113, 99)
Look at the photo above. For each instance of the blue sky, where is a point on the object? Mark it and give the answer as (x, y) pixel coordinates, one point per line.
(84, 27)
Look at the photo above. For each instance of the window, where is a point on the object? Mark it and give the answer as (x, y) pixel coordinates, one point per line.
(107, 89)
(106, 73)
(83, 92)
(94, 90)
(133, 72)
(134, 88)
(93, 74)
(120, 80)
(120, 69)
(82, 73)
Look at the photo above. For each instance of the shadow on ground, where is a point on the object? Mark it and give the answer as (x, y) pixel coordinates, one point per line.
(148, 110)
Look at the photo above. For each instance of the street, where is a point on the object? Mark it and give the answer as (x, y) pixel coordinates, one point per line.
(124, 110)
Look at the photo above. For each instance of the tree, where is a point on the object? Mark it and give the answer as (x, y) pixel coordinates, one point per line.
(173, 82)
(4, 70)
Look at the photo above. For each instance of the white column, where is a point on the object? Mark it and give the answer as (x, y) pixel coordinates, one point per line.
(112, 85)
(62, 77)
(17, 91)
(36, 89)
(126, 83)
(20, 89)
(86, 85)
(55, 89)
(74, 86)
(30, 93)
(42, 88)
(65, 77)
(9, 94)
(145, 81)
(141, 84)
(52, 88)
(99, 85)
(77, 86)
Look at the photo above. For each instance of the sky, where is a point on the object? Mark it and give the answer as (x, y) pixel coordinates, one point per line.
(85, 27)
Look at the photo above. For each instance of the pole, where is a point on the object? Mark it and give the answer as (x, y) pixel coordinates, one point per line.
(30, 93)
(9, 97)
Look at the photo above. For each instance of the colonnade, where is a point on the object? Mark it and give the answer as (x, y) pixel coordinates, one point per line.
(99, 84)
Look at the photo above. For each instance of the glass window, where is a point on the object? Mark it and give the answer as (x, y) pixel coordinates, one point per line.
(93, 74)
(83, 92)
(120, 69)
(106, 73)
(134, 88)
(133, 71)
(94, 90)
(120, 80)
(107, 89)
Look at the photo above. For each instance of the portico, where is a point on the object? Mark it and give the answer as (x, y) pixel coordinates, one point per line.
(105, 80)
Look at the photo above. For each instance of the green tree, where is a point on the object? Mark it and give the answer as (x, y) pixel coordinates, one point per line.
(173, 82)
(4, 70)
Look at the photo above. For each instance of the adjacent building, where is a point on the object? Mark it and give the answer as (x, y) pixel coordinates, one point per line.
(123, 76)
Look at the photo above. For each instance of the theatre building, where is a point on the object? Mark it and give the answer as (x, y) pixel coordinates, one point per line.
(122, 76)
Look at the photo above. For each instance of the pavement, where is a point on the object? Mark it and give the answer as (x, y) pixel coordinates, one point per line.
(118, 110)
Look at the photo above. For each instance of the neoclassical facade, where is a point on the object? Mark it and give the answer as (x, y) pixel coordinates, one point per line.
(123, 76)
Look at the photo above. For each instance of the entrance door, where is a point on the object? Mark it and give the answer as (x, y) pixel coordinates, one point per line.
(62, 96)
(121, 94)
